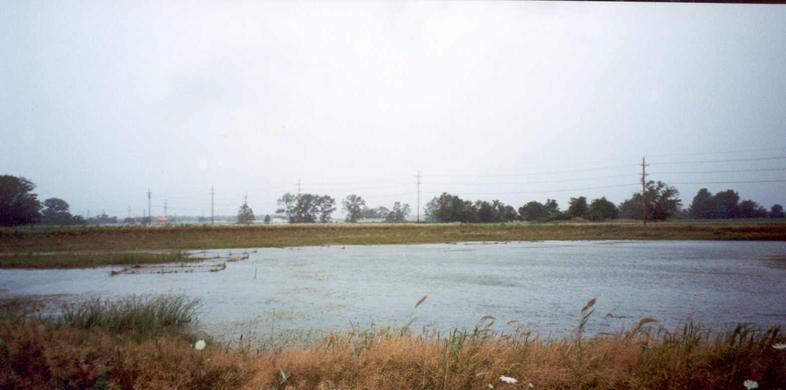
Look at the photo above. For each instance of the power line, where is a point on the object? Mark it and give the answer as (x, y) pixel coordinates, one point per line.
(721, 152)
(538, 181)
(545, 172)
(720, 161)
(544, 191)
(718, 171)
(733, 182)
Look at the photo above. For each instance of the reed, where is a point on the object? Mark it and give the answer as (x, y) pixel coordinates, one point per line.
(89, 350)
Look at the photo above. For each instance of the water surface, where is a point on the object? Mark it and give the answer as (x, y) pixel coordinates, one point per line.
(542, 285)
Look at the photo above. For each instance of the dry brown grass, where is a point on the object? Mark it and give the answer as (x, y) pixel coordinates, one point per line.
(40, 355)
(199, 237)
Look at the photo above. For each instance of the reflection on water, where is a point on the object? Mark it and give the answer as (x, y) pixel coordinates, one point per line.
(542, 285)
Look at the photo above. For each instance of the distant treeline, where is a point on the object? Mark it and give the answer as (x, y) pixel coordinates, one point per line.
(20, 206)
(662, 203)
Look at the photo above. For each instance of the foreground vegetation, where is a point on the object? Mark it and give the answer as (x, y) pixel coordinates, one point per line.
(148, 343)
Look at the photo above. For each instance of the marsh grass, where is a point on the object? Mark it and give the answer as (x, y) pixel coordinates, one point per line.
(98, 259)
(94, 345)
(130, 238)
(139, 316)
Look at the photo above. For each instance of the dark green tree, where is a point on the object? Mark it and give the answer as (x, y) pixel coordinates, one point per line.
(601, 209)
(375, 213)
(399, 213)
(325, 206)
(245, 214)
(776, 211)
(631, 208)
(662, 202)
(534, 211)
(267, 219)
(354, 206)
(18, 204)
(450, 208)
(577, 207)
(703, 205)
(727, 204)
(750, 209)
(56, 212)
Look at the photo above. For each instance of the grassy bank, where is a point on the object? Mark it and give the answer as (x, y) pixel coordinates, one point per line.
(99, 259)
(205, 237)
(77, 352)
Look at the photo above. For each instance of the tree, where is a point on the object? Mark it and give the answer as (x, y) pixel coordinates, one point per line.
(354, 206)
(726, 204)
(306, 208)
(326, 205)
(450, 208)
(287, 204)
(601, 209)
(776, 211)
(553, 208)
(533, 211)
(486, 212)
(399, 213)
(245, 214)
(18, 205)
(578, 207)
(631, 208)
(703, 205)
(750, 209)
(375, 213)
(56, 212)
(267, 219)
(662, 202)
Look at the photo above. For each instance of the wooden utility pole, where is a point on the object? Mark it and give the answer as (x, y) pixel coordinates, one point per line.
(644, 189)
(149, 212)
(418, 183)
(298, 187)
(212, 209)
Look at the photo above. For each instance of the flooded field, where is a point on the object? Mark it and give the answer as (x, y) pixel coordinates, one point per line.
(302, 292)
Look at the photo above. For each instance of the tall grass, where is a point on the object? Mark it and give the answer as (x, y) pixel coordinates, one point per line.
(93, 346)
(141, 316)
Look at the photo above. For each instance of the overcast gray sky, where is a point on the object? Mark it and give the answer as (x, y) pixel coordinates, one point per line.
(100, 101)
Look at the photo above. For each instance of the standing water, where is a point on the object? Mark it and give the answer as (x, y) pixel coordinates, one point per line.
(311, 290)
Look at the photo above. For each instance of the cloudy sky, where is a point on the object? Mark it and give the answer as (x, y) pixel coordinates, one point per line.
(100, 101)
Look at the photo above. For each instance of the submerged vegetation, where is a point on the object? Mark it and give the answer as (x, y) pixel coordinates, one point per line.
(148, 343)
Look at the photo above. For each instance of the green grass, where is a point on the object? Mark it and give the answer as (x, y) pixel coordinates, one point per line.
(143, 317)
(84, 260)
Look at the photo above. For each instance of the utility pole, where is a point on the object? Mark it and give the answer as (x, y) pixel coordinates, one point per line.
(212, 214)
(418, 183)
(149, 212)
(298, 187)
(165, 213)
(644, 189)
(129, 212)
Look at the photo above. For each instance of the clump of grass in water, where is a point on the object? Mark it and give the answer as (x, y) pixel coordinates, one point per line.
(140, 316)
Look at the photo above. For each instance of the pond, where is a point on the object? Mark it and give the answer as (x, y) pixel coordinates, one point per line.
(306, 291)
